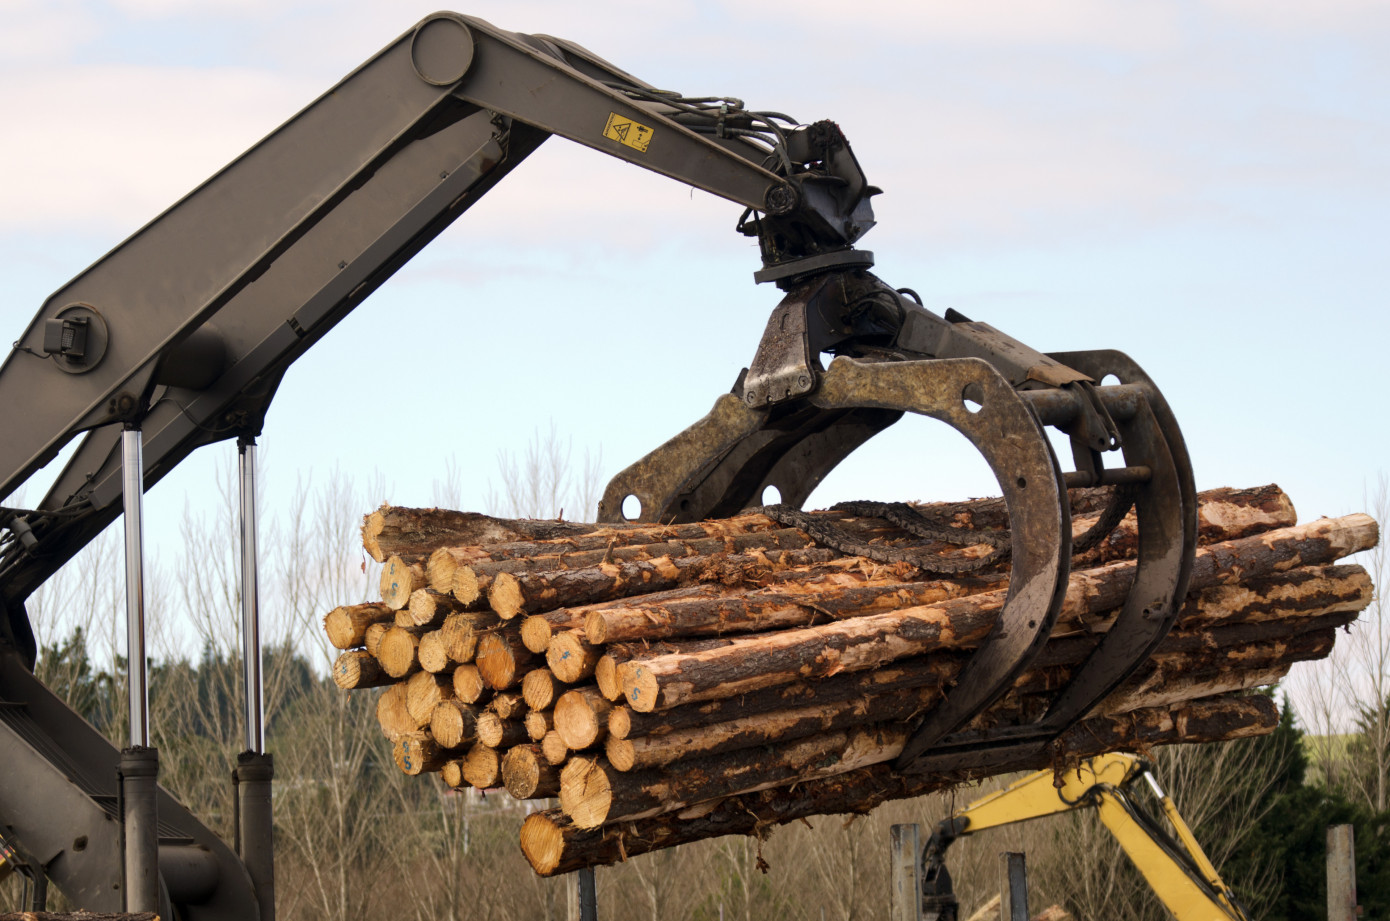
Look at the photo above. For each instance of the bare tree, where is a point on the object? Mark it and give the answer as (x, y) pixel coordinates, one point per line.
(1344, 700)
(542, 482)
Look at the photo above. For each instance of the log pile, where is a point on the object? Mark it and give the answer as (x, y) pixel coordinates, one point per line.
(673, 683)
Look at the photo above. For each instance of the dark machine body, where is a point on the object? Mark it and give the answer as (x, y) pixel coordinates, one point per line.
(183, 332)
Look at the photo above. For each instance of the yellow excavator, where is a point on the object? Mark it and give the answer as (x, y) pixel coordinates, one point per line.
(1172, 862)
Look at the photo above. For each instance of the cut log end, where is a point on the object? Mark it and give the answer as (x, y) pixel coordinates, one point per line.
(527, 775)
(466, 588)
(504, 596)
(398, 581)
(585, 792)
(542, 842)
(572, 657)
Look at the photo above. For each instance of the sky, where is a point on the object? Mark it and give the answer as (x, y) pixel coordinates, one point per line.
(1203, 185)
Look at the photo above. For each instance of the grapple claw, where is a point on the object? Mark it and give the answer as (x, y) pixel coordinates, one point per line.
(724, 462)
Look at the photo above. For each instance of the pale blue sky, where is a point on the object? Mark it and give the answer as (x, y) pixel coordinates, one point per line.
(1202, 184)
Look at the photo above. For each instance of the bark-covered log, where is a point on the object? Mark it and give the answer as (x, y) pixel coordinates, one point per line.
(512, 594)
(1224, 515)
(527, 775)
(414, 532)
(347, 625)
(832, 596)
(865, 642)
(1252, 630)
(568, 538)
(357, 668)
(553, 844)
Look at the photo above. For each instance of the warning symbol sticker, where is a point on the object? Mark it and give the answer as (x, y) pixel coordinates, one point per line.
(627, 132)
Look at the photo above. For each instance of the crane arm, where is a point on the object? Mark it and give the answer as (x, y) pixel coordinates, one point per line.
(1178, 871)
(187, 327)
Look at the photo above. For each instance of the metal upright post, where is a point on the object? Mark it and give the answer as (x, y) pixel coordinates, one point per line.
(1013, 905)
(588, 895)
(139, 764)
(905, 896)
(255, 768)
(1341, 873)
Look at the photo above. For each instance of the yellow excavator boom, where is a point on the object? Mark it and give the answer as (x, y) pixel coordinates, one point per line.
(1174, 865)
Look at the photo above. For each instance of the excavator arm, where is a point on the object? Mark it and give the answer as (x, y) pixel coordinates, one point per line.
(1172, 863)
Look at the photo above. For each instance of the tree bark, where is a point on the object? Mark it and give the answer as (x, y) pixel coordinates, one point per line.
(553, 844)
(415, 531)
(860, 643)
(512, 594)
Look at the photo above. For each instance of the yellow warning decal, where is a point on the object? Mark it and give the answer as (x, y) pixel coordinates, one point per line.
(628, 132)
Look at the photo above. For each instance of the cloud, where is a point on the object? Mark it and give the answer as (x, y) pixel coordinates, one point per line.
(75, 158)
(1012, 121)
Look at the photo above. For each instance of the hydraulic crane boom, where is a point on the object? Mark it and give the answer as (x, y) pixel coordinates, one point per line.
(258, 263)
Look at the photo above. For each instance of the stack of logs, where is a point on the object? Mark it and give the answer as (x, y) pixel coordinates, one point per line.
(673, 683)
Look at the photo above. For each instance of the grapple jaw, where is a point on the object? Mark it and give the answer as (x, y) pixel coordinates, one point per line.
(789, 423)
